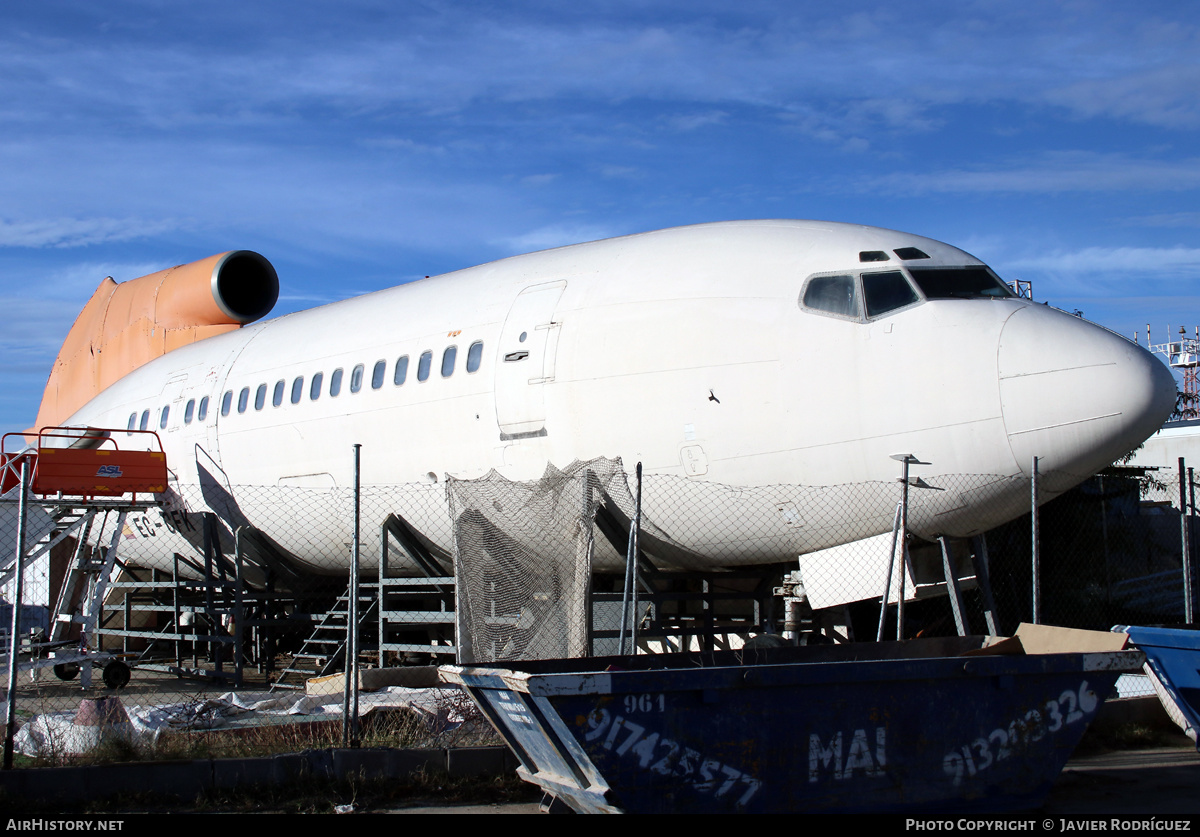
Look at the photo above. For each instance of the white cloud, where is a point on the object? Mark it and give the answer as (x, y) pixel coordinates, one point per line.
(1169, 219)
(79, 232)
(1173, 261)
(1070, 171)
(1101, 276)
(692, 121)
(894, 64)
(1164, 96)
(536, 180)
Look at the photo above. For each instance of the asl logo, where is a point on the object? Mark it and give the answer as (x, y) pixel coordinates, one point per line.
(109, 471)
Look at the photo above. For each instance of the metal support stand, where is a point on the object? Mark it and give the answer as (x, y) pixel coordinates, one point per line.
(984, 579)
(417, 604)
(952, 588)
(887, 584)
(906, 460)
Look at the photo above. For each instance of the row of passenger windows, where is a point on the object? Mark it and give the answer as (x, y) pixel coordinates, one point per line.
(316, 386)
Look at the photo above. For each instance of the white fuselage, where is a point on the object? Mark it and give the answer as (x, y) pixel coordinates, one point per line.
(690, 350)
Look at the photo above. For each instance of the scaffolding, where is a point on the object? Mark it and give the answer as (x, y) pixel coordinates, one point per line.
(1183, 354)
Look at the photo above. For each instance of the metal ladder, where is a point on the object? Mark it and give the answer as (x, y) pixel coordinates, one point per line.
(325, 647)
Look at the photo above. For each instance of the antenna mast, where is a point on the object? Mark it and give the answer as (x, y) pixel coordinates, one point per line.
(1183, 354)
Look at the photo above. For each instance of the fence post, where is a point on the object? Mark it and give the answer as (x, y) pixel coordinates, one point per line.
(629, 595)
(1185, 552)
(1191, 478)
(1036, 548)
(350, 693)
(14, 639)
(906, 459)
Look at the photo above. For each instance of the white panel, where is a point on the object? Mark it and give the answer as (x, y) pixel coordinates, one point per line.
(525, 362)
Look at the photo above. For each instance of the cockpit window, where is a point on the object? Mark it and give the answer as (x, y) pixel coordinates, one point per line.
(832, 294)
(958, 282)
(885, 292)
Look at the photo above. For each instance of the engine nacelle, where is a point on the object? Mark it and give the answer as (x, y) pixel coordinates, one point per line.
(126, 325)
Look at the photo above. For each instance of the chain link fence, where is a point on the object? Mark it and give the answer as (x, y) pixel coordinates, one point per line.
(218, 616)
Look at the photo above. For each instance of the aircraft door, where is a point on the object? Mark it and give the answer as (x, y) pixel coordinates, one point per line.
(525, 363)
(218, 381)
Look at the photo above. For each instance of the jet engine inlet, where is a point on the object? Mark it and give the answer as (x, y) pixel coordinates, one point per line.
(245, 285)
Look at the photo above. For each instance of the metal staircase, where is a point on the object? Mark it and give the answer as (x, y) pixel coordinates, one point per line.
(325, 648)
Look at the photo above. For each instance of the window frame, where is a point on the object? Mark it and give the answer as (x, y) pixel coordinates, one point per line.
(860, 294)
(475, 357)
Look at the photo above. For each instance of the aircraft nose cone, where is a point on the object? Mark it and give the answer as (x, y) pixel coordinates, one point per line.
(1076, 395)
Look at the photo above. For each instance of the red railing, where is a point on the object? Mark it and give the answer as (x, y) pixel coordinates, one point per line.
(86, 462)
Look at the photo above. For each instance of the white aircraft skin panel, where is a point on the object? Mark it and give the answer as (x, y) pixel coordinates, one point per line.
(1080, 397)
(686, 349)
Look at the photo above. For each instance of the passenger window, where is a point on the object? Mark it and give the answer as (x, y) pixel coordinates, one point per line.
(277, 395)
(297, 389)
(448, 357)
(226, 402)
(401, 371)
(335, 383)
(423, 366)
(162, 419)
(189, 410)
(832, 294)
(132, 424)
(474, 356)
(202, 413)
(885, 292)
(243, 399)
(314, 389)
(377, 374)
(260, 397)
(145, 422)
(356, 376)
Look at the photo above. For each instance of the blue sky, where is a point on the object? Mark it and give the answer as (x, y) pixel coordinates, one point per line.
(359, 145)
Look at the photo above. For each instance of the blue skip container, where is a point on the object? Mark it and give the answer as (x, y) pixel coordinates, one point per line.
(925, 725)
(1173, 663)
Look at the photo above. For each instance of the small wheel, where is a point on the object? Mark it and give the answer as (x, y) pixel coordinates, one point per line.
(66, 671)
(116, 675)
